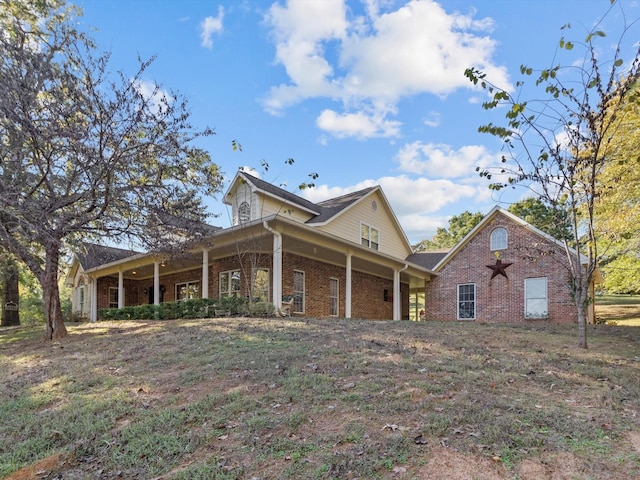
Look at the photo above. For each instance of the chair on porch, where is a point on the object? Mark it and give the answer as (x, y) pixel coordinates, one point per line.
(287, 306)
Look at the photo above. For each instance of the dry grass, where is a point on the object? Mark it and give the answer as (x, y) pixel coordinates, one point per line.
(267, 398)
(617, 312)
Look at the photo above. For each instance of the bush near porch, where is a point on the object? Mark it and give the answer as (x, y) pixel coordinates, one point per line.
(193, 308)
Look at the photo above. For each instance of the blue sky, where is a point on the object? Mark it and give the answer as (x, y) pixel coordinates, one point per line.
(362, 92)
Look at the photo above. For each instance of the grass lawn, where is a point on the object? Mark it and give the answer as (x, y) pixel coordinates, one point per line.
(619, 309)
(238, 398)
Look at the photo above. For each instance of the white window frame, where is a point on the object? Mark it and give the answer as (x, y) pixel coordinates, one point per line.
(81, 299)
(460, 301)
(299, 292)
(499, 239)
(334, 296)
(244, 212)
(192, 287)
(229, 292)
(264, 294)
(113, 303)
(532, 296)
(366, 236)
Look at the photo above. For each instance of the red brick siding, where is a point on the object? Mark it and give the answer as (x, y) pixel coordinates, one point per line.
(502, 299)
(130, 291)
(367, 291)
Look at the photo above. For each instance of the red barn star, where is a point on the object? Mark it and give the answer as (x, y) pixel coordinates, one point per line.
(499, 269)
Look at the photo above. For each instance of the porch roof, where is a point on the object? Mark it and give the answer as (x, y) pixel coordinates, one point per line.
(298, 238)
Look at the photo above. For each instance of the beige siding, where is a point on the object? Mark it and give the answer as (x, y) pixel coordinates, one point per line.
(271, 206)
(263, 206)
(347, 225)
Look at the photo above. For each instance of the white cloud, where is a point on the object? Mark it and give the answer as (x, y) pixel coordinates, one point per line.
(369, 63)
(438, 160)
(210, 26)
(357, 124)
(433, 120)
(417, 202)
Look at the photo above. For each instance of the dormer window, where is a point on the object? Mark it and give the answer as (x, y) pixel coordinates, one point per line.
(244, 213)
(499, 239)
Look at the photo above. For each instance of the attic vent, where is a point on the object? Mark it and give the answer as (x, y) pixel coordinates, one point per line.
(374, 206)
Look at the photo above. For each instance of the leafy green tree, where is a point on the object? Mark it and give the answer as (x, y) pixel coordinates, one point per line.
(87, 154)
(556, 144)
(459, 227)
(617, 208)
(549, 219)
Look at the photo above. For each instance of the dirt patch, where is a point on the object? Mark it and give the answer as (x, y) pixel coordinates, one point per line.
(41, 469)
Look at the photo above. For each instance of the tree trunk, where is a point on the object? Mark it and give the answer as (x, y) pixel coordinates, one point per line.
(581, 302)
(52, 310)
(10, 295)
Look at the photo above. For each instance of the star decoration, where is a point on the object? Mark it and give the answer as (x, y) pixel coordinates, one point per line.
(499, 269)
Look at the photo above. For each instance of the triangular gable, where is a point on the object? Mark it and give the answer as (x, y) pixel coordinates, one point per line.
(341, 207)
(481, 225)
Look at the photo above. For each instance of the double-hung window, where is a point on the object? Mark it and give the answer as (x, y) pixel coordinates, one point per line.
(535, 298)
(333, 296)
(370, 236)
(467, 301)
(113, 297)
(230, 283)
(298, 291)
(81, 300)
(260, 284)
(187, 290)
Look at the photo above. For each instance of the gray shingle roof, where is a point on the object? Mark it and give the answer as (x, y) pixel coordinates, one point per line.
(333, 206)
(282, 193)
(94, 255)
(427, 259)
(323, 210)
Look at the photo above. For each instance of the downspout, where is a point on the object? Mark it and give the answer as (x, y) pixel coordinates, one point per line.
(277, 266)
(397, 303)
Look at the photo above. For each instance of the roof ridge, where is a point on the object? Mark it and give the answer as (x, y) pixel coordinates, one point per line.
(350, 194)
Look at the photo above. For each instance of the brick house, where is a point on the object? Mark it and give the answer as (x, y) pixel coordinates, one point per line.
(504, 270)
(343, 257)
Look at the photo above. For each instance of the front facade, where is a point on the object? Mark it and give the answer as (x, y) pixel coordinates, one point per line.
(345, 257)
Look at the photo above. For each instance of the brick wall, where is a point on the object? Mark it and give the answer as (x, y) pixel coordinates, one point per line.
(502, 299)
(367, 291)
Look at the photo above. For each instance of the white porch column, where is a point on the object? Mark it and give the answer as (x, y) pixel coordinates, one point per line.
(156, 283)
(205, 273)
(277, 270)
(93, 299)
(120, 289)
(277, 266)
(347, 288)
(397, 301)
(396, 295)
